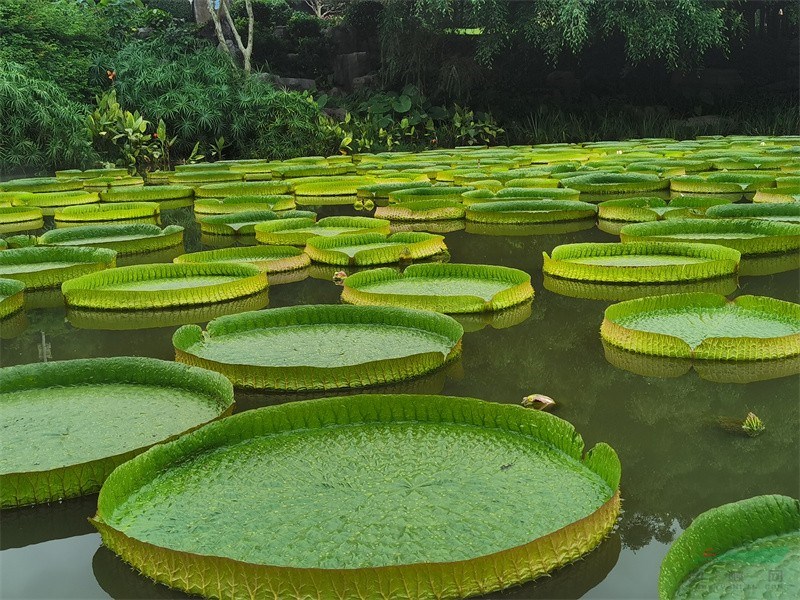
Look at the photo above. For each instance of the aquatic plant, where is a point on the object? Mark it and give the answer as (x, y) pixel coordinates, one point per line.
(41, 184)
(748, 236)
(716, 183)
(141, 287)
(42, 267)
(428, 193)
(769, 212)
(68, 424)
(752, 425)
(134, 238)
(441, 287)
(269, 259)
(314, 347)
(50, 201)
(374, 248)
(641, 262)
(297, 231)
(380, 191)
(244, 222)
(383, 547)
(231, 204)
(20, 218)
(422, 210)
(530, 211)
(705, 327)
(244, 188)
(330, 186)
(12, 297)
(616, 183)
(740, 543)
(137, 212)
(167, 196)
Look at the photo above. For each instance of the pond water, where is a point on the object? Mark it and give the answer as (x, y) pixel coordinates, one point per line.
(676, 460)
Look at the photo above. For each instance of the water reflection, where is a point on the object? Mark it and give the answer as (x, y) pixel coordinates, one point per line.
(615, 292)
(58, 520)
(118, 320)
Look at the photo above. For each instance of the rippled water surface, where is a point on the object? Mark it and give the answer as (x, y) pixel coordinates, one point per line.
(676, 460)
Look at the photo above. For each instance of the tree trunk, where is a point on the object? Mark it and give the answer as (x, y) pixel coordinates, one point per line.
(223, 12)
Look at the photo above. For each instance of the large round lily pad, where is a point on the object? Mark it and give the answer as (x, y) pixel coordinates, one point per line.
(746, 549)
(705, 326)
(314, 347)
(68, 424)
(164, 285)
(777, 211)
(11, 297)
(269, 259)
(49, 267)
(748, 236)
(448, 288)
(233, 204)
(373, 496)
(530, 211)
(643, 262)
(132, 238)
(296, 232)
(20, 218)
(130, 212)
(374, 248)
(244, 222)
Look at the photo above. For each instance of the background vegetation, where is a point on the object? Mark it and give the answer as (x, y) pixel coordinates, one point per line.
(444, 72)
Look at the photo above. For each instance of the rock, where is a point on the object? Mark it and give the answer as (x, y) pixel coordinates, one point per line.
(144, 32)
(366, 81)
(338, 114)
(296, 83)
(349, 66)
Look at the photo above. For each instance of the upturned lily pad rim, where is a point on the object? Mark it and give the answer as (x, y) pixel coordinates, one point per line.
(141, 237)
(304, 377)
(519, 288)
(719, 262)
(724, 528)
(134, 370)
(461, 578)
(530, 211)
(710, 348)
(86, 259)
(270, 259)
(88, 291)
(11, 297)
(417, 244)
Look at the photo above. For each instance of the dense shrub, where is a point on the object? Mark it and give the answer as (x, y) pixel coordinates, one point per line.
(201, 96)
(54, 40)
(180, 9)
(268, 123)
(43, 130)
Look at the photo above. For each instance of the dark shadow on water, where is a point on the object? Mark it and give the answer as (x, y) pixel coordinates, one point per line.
(44, 522)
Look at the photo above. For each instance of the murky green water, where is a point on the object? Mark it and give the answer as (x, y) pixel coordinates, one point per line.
(676, 461)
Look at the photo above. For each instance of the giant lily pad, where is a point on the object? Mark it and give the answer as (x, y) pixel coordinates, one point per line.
(362, 497)
(134, 238)
(615, 183)
(163, 285)
(766, 211)
(716, 183)
(233, 204)
(746, 549)
(130, 212)
(41, 184)
(269, 259)
(244, 222)
(518, 193)
(705, 326)
(49, 202)
(49, 267)
(748, 236)
(297, 231)
(380, 191)
(374, 248)
(321, 346)
(167, 196)
(11, 297)
(427, 193)
(643, 262)
(243, 188)
(20, 218)
(530, 211)
(68, 424)
(448, 288)
(422, 210)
